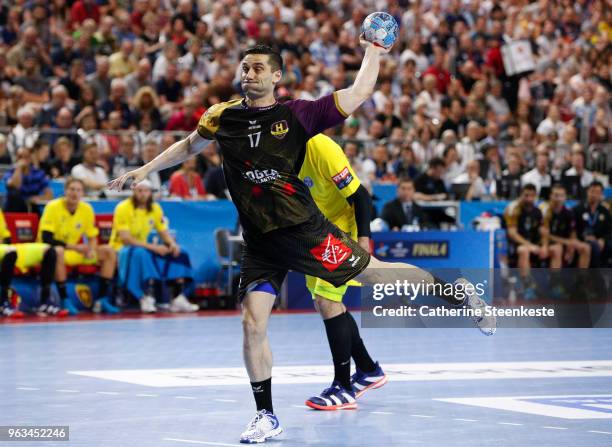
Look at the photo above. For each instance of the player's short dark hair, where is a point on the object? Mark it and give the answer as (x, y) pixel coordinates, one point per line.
(596, 184)
(274, 56)
(403, 180)
(529, 187)
(558, 186)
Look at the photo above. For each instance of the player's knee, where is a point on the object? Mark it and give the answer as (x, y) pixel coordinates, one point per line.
(584, 249)
(59, 251)
(252, 327)
(328, 308)
(107, 252)
(522, 251)
(556, 251)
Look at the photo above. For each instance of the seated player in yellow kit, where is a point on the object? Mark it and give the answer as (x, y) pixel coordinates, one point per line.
(24, 257)
(69, 225)
(142, 262)
(342, 198)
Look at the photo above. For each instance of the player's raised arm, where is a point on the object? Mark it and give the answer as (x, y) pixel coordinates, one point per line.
(177, 153)
(349, 99)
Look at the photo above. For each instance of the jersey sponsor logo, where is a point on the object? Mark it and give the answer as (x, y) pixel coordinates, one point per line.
(308, 182)
(343, 178)
(259, 176)
(253, 125)
(279, 129)
(331, 252)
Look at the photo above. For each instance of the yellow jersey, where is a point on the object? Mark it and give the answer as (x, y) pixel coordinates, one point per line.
(66, 226)
(4, 231)
(331, 179)
(138, 221)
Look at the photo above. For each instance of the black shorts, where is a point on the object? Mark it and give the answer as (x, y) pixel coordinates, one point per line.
(315, 247)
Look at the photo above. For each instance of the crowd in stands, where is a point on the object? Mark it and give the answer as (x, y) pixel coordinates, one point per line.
(90, 86)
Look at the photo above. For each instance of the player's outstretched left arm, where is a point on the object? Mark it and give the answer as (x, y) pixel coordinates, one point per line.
(177, 153)
(349, 99)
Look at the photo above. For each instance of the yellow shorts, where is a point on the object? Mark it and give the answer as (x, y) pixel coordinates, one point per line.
(28, 255)
(320, 287)
(73, 257)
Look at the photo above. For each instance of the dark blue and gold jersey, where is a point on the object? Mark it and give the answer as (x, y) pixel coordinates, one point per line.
(263, 151)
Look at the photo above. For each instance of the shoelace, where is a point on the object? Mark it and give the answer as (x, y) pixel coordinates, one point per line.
(258, 417)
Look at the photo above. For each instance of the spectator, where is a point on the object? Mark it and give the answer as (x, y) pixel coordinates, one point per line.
(404, 210)
(584, 176)
(594, 226)
(509, 185)
(377, 168)
(186, 183)
(324, 50)
(68, 225)
(93, 176)
(117, 102)
(477, 188)
(469, 146)
(33, 83)
(552, 123)
(63, 158)
(169, 88)
(64, 127)
(430, 97)
(133, 222)
(185, 119)
(24, 134)
(146, 110)
(539, 176)
(49, 111)
(560, 224)
(100, 81)
(121, 63)
(405, 166)
(527, 240)
(29, 46)
(84, 9)
(139, 78)
(429, 185)
(26, 185)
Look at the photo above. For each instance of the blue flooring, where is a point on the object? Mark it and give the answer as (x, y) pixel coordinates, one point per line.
(39, 356)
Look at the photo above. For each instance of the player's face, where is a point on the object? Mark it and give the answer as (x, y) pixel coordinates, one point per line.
(558, 196)
(528, 197)
(256, 76)
(74, 193)
(594, 194)
(142, 194)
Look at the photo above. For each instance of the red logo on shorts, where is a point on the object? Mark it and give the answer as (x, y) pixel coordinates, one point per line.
(331, 252)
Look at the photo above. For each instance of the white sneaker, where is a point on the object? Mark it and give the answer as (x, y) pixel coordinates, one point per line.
(263, 426)
(147, 304)
(182, 304)
(487, 324)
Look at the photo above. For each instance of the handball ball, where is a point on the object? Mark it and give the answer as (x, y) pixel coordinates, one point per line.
(380, 29)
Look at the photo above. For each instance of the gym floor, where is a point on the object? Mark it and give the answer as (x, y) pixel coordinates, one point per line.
(179, 381)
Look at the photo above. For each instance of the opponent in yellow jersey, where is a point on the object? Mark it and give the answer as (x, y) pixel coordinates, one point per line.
(139, 222)
(23, 257)
(338, 193)
(341, 197)
(69, 224)
(141, 262)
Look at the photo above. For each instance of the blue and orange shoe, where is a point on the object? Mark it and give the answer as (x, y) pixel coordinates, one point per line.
(103, 305)
(333, 398)
(362, 381)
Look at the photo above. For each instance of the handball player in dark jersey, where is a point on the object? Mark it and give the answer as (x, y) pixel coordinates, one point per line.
(263, 144)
